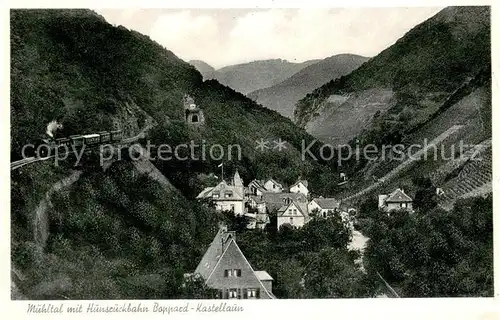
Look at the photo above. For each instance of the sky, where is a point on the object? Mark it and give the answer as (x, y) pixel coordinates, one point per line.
(223, 37)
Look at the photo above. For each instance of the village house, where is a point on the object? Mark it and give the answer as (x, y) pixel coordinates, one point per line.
(225, 268)
(272, 185)
(300, 187)
(395, 201)
(292, 214)
(226, 197)
(274, 201)
(256, 209)
(256, 187)
(324, 206)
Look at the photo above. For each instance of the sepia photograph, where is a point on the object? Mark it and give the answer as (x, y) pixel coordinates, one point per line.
(249, 153)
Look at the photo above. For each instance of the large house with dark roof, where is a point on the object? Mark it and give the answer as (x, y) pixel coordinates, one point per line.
(225, 268)
(226, 196)
(395, 201)
(275, 200)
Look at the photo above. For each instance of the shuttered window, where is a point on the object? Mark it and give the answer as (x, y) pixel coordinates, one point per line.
(233, 293)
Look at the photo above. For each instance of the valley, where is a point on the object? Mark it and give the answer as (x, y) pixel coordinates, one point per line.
(135, 225)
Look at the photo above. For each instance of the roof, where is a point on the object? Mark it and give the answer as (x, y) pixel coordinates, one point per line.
(213, 254)
(327, 203)
(304, 182)
(224, 245)
(257, 199)
(275, 200)
(263, 275)
(204, 193)
(93, 135)
(398, 196)
(237, 181)
(283, 209)
(257, 184)
(221, 188)
(275, 182)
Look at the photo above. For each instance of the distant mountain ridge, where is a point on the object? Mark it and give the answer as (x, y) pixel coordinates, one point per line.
(206, 70)
(419, 72)
(283, 96)
(251, 76)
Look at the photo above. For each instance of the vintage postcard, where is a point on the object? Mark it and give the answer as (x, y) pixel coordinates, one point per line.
(176, 161)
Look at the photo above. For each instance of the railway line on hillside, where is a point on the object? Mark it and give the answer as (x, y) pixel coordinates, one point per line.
(30, 160)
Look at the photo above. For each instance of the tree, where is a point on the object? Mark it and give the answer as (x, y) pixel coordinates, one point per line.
(425, 197)
(194, 287)
(332, 273)
(322, 233)
(435, 253)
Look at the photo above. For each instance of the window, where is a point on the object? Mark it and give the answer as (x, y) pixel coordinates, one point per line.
(194, 118)
(237, 272)
(403, 205)
(233, 293)
(232, 207)
(324, 214)
(291, 220)
(294, 211)
(290, 211)
(229, 194)
(252, 293)
(228, 273)
(215, 195)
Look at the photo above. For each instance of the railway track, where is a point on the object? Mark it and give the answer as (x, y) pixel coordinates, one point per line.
(26, 161)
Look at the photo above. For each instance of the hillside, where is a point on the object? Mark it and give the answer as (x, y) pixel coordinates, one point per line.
(457, 158)
(206, 70)
(251, 76)
(283, 96)
(418, 73)
(123, 232)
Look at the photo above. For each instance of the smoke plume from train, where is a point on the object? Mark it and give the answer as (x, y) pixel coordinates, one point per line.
(52, 127)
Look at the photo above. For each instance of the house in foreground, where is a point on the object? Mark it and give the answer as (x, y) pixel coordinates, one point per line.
(225, 268)
(396, 200)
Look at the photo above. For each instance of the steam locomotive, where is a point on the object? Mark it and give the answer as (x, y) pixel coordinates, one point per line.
(46, 147)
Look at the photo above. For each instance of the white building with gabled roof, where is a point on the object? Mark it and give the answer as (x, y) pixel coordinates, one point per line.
(396, 200)
(300, 187)
(293, 214)
(226, 197)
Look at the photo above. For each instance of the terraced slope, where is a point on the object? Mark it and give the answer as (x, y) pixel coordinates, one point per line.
(406, 165)
(474, 179)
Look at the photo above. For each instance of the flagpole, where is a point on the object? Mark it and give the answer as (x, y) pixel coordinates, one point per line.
(222, 171)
